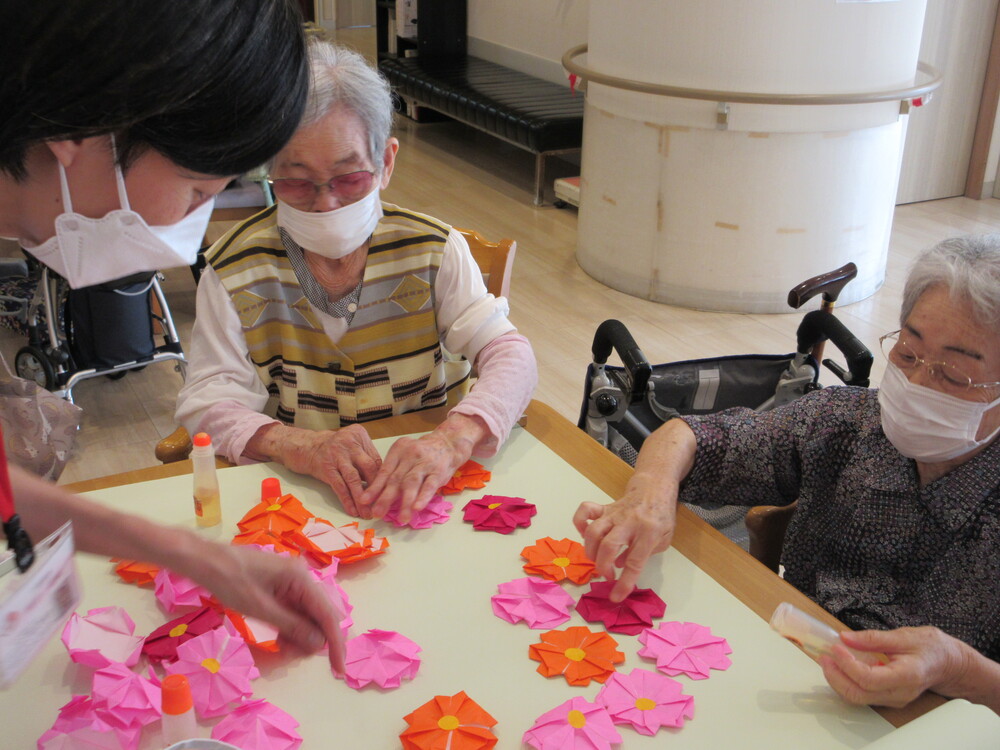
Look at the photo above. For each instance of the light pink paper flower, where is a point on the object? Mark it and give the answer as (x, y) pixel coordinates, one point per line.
(436, 512)
(124, 698)
(258, 725)
(540, 604)
(79, 727)
(499, 513)
(685, 648)
(102, 636)
(327, 578)
(175, 592)
(219, 668)
(576, 724)
(646, 701)
(381, 656)
(631, 616)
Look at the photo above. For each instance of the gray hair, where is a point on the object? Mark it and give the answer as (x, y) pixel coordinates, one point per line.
(339, 75)
(970, 269)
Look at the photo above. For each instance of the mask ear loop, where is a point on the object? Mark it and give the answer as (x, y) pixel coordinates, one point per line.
(64, 184)
(119, 177)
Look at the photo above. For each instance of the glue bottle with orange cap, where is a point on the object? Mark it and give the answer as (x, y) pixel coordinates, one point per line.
(207, 508)
(178, 709)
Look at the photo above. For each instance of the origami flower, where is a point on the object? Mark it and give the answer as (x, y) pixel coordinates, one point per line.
(327, 578)
(275, 514)
(125, 699)
(175, 592)
(630, 616)
(577, 654)
(469, 475)
(536, 602)
(646, 701)
(576, 724)
(381, 656)
(498, 513)
(254, 632)
(219, 668)
(265, 538)
(685, 648)
(558, 560)
(79, 727)
(258, 725)
(133, 571)
(348, 543)
(455, 723)
(103, 636)
(162, 643)
(436, 511)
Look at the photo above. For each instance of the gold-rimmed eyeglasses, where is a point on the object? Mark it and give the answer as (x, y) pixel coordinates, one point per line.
(898, 351)
(348, 188)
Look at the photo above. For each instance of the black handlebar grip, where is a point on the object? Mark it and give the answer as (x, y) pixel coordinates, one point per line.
(819, 325)
(830, 284)
(612, 334)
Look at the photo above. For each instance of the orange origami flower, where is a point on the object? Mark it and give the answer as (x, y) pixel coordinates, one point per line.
(469, 475)
(256, 633)
(321, 541)
(265, 537)
(577, 654)
(449, 723)
(558, 560)
(276, 514)
(134, 571)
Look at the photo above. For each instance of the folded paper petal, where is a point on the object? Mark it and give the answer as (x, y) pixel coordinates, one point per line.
(265, 538)
(134, 571)
(257, 633)
(685, 648)
(499, 513)
(576, 724)
(162, 643)
(275, 514)
(103, 636)
(538, 603)
(436, 511)
(381, 656)
(454, 722)
(468, 476)
(630, 616)
(646, 701)
(258, 725)
(175, 592)
(124, 698)
(80, 727)
(327, 578)
(347, 543)
(558, 560)
(577, 654)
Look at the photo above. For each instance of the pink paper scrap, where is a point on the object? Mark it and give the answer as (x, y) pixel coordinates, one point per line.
(646, 701)
(685, 648)
(258, 725)
(125, 698)
(80, 727)
(383, 657)
(219, 668)
(175, 592)
(576, 724)
(436, 512)
(499, 513)
(538, 603)
(103, 636)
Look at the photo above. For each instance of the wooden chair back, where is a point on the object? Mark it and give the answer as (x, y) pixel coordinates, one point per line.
(767, 525)
(495, 260)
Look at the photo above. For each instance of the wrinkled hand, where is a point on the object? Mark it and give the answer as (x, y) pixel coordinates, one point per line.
(919, 659)
(280, 591)
(625, 533)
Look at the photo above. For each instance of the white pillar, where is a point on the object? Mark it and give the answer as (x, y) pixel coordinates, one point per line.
(676, 210)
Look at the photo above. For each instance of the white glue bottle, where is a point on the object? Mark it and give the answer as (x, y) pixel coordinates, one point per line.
(178, 710)
(207, 508)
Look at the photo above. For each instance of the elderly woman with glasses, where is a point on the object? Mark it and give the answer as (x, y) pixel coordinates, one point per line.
(333, 308)
(897, 531)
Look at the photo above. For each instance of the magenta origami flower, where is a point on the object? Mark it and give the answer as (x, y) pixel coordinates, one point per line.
(219, 668)
(103, 636)
(381, 656)
(124, 698)
(499, 513)
(576, 724)
(162, 643)
(685, 648)
(646, 701)
(258, 725)
(630, 616)
(536, 602)
(80, 727)
(175, 592)
(435, 512)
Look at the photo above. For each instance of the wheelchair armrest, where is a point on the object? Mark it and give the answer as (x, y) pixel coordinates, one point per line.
(174, 447)
(767, 525)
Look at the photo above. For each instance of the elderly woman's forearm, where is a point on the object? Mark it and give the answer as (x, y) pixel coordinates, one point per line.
(669, 452)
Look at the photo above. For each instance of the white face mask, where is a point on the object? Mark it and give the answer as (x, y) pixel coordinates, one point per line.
(927, 425)
(333, 234)
(87, 251)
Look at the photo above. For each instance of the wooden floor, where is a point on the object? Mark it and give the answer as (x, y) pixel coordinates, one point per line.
(471, 180)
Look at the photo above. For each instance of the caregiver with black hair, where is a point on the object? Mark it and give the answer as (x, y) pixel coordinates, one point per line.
(120, 120)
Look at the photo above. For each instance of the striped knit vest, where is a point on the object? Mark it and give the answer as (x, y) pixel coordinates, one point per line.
(389, 362)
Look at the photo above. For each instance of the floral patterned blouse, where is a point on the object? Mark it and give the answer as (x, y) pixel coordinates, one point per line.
(866, 542)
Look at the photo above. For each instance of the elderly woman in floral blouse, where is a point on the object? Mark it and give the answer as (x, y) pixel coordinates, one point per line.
(897, 531)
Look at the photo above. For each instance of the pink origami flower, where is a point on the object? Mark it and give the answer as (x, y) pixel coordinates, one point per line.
(685, 648)
(258, 725)
(499, 513)
(381, 656)
(435, 512)
(646, 701)
(175, 592)
(630, 616)
(576, 724)
(327, 578)
(103, 636)
(124, 698)
(538, 603)
(219, 668)
(79, 727)
(162, 643)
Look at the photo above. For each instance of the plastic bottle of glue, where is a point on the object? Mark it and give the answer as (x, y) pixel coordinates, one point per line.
(178, 710)
(207, 508)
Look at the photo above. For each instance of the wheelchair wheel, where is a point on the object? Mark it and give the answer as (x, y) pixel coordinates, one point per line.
(31, 363)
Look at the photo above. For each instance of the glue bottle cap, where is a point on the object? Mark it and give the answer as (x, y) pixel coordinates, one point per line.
(270, 488)
(202, 439)
(176, 695)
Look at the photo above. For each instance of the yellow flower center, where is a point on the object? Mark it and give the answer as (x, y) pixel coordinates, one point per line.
(562, 562)
(178, 630)
(645, 704)
(494, 506)
(576, 719)
(272, 508)
(212, 665)
(448, 723)
(574, 654)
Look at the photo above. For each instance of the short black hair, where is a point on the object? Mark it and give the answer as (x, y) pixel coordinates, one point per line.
(216, 86)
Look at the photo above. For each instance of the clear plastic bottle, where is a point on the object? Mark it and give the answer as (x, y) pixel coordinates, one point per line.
(178, 710)
(207, 508)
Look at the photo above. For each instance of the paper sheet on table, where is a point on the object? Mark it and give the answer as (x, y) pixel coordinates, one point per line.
(974, 727)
